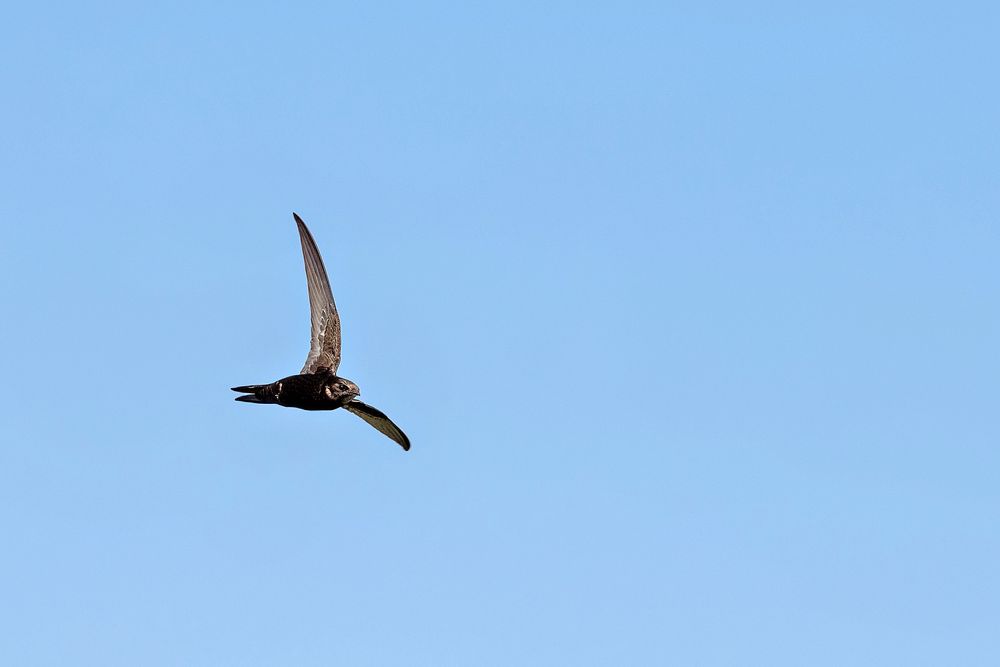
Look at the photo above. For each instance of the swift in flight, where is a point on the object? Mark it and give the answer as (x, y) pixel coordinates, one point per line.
(317, 386)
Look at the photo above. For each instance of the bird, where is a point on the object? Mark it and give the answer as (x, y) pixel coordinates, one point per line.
(317, 386)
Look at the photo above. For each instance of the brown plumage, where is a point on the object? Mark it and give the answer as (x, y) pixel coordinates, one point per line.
(317, 386)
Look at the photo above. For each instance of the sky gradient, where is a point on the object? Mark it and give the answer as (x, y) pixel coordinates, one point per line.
(689, 312)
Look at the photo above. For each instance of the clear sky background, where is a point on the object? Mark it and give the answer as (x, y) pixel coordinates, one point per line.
(690, 313)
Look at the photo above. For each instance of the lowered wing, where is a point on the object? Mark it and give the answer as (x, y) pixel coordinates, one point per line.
(378, 419)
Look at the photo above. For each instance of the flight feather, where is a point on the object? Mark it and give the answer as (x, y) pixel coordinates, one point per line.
(324, 340)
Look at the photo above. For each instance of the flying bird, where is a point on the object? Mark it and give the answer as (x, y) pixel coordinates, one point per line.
(317, 386)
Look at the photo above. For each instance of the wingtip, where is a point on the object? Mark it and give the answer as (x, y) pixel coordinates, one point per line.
(297, 218)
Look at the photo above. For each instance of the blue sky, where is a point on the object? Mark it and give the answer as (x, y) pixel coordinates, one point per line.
(690, 313)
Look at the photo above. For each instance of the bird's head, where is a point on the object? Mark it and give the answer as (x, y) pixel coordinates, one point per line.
(338, 387)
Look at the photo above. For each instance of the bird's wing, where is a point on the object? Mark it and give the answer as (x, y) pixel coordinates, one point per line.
(324, 343)
(377, 419)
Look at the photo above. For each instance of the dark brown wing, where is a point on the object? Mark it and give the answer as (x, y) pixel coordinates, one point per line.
(324, 342)
(378, 419)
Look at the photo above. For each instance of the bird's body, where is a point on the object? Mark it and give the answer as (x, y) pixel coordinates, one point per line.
(322, 390)
(317, 386)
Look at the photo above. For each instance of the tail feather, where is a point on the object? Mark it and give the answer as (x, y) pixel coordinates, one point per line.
(258, 393)
(249, 389)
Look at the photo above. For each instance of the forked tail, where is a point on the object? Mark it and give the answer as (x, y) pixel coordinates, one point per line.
(258, 393)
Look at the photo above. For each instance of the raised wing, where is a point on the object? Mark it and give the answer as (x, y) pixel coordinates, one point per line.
(324, 342)
(378, 419)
